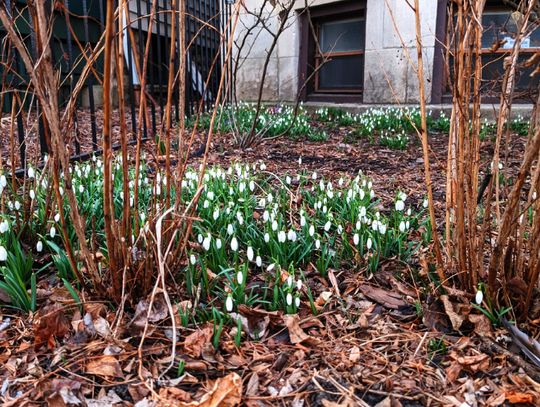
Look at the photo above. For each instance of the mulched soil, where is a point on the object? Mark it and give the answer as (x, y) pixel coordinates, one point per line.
(372, 343)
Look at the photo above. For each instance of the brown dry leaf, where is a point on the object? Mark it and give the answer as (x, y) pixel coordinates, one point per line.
(455, 318)
(104, 366)
(333, 281)
(296, 334)
(53, 324)
(474, 363)
(252, 388)
(453, 371)
(226, 392)
(515, 397)
(159, 312)
(194, 343)
(387, 299)
(481, 323)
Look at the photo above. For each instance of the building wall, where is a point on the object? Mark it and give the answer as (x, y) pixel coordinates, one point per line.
(389, 76)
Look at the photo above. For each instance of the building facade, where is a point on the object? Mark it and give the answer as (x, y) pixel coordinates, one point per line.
(364, 51)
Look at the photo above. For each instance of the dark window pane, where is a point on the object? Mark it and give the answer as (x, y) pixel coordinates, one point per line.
(345, 72)
(502, 26)
(344, 35)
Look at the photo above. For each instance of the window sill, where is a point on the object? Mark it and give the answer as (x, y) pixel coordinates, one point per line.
(334, 97)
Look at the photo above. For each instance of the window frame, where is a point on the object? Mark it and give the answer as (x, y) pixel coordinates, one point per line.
(309, 60)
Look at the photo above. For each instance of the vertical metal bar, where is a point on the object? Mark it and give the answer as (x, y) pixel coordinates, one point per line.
(129, 57)
(189, 74)
(141, 56)
(150, 68)
(90, 80)
(197, 47)
(159, 59)
(176, 59)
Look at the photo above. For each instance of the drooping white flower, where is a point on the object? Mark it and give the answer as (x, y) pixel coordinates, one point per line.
(234, 244)
(240, 277)
(250, 253)
(298, 284)
(297, 302)
(311, 230)
(266, 216)
(382, 228)
(407, 225)
(302, 221)
(230, 229)
(266, 237)
(271, 267)
(39, 246)
(289, 299)
(258, 261)
(425, 203)
(314, 175)
(32, 194)
(402, 226)
(219, 244)
(31, 172)
(206, 242)
(200, 238)
(52, 232)
(57, 218)
(3, 181)
(479, 297)
(274, 225)
(4, 226)
(409, 212)
(291, 235)
(17, 205)
(229, 304)
(282, 236)
(192, 259)
(400, 205)
(317, 244)
(215, 215)
(356, 239)
(327, 226)
(339, 229)
(3, 253)
(288, 180)
(240, 218)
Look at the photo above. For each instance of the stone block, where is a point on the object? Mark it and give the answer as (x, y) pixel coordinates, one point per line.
(249, 79)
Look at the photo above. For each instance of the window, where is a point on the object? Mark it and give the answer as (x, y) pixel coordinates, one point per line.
(332, 52)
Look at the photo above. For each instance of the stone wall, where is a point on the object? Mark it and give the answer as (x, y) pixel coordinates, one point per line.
(389, 76)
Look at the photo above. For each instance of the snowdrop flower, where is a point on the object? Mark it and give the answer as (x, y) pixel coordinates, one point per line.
(270, 198)
(215, 215)
(402, 226)
(240, 218)
(409, 211)
(288, 180)
(291, 235)
(479, 297)
(314, 175)
(200, 238)
(263, 167)
(234, 244)
(302, 221)
(282, 237)
(300, 160)
(290, 281)
(371, 194)
(340, 182)
(311, 230)
(297, 302)
(271, 267)
(3, 253)
(31, 172)
(339, 229)
(266, 237)
(425, 203)
(52, 232)
(274, 225)
(229, 304)
(250, 253)
(266, 216)
(210, 195)
(230, 229)
(240, 277)
(298, 284)
(258, 261)
(206, 242)
(262, 202)
(400, 205)
(317, 244)
(369, 243)
(4, 226)
(407, 225)
(17, 205)
(327, 226)
(32, 194)
(192, 259)
(382, 228)
(289, 299)
(251, 185)
(356, 239)
(218, 244)
(39, 246)
(3, 181)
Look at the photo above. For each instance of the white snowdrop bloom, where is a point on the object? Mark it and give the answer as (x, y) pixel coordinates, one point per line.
(17, 205)
(32, 194)
(230, 229)
(3, 253)
(409, 212)
(402, 196)
(330, 194)
(327, 226)
(339, 229)
(266, 216)
(317, 244)
(3, 181)
(210, 195)
(270, 198)
(402, 226)
(234, 244)
(4, 226)
(534, 196)
(282, 236)
(311, 230)
(479, 297)
(375, 225)
(361, 194)
(300, 160)
(240, 277)
(369, 243)
(274, 225)
(291, 235)
(219, 244)
(400, 205)
(340, 182)
(231, 191)
(206, 242)
(382, 228)
(229, 304)
(240, 218)
(297, 302)
(31, 172)
(258, 261)
(241, 187)
(52, 232)
(288, 180)
(206, 203)
(314, 175)
(192, 259)
(370, 185)
(356, 239)
(407, 225)
(290, 281)
(215, 214)
(266, 237)
(263, 167)
(302, 221)
(289, 299)
(358, 225)
(81, 188)
(200, 238)
(321, 185)
(298, 284)
(262, 202)
(271, 267)
(250, 253)
(425, 203)
(39, 246)
(371, 194)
